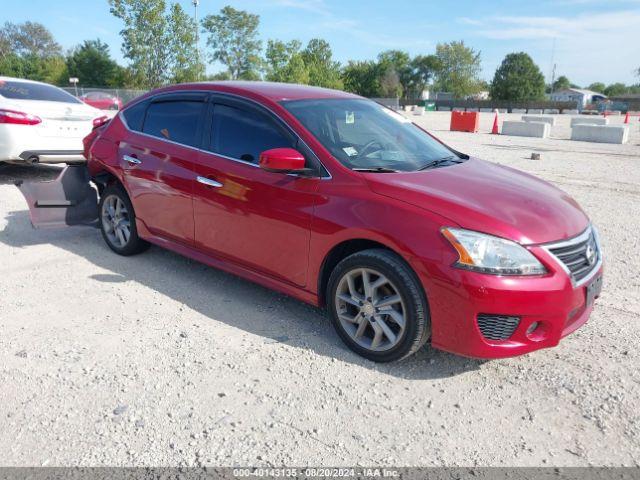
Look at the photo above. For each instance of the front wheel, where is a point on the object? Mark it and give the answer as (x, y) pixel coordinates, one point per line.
(118, 222)
(378, 306)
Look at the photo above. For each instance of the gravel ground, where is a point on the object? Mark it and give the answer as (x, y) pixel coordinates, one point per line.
(158, 360)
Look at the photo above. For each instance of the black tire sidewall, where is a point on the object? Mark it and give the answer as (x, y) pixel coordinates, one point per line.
(410, 290)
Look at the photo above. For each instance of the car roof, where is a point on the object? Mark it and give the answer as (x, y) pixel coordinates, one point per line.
(276, 92)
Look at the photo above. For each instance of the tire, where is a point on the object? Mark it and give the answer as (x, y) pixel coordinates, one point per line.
(354, 314)
(117, 217)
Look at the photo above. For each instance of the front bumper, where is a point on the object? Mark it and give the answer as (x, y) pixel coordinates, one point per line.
(457, 297)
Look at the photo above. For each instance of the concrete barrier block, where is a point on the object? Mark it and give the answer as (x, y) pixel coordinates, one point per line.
(486, 110)
(472, 109)
(444, 109)
(570, 112)
(551, 111)
(502, 110)
(518, 110)
(537, 118)
(535, 111)
(407, 108)
(589, 121)
(526, 129)
(600, 133)
(418, 111)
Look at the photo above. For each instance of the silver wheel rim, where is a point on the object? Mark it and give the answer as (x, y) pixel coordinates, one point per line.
(370, 309)
(115, 221)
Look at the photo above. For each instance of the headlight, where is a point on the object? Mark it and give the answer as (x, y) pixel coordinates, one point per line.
(488, 254)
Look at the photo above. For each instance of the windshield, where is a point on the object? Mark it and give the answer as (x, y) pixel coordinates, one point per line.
(363, 135)
(34, 91)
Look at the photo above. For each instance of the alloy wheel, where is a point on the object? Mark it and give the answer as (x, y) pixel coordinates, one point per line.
(370, 309)
(116, 221)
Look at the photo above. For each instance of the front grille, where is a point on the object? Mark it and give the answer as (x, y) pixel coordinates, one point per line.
(579, 255)
(497, 327)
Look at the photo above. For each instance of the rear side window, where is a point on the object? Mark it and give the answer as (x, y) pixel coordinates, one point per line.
(35, 91)
(174, 120)
(244, 134)
(134, 115)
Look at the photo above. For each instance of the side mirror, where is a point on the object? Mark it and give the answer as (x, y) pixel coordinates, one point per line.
(282, 160)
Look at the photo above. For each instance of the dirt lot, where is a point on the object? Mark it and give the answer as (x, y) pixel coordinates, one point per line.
(157, 360)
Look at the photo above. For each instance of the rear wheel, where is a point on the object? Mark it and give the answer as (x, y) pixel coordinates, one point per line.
(377, 306)
(118, 222)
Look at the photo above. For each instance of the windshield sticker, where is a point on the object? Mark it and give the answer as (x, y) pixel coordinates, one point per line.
(352, 152)
(350, 117)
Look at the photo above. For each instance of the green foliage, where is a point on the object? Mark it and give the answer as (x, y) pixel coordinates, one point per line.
(284, 62)
(160, 44)
(92, 64)
(597, 87)
(459, 69)
(517, 79)
(233, 39)
(562, 83)
(28, 50)
(362, 78)
(615, 89)
(323, 70)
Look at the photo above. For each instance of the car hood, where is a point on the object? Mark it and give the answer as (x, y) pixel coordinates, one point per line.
(485, 197)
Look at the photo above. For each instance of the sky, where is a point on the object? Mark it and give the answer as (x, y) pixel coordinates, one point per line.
(588, 40)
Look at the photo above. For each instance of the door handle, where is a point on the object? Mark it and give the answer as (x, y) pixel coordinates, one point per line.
(131, 160)
(208, 182)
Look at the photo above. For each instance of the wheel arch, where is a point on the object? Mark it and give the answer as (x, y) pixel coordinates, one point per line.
(341, 251)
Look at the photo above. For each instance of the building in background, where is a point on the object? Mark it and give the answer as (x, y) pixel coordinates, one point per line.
(580, 96)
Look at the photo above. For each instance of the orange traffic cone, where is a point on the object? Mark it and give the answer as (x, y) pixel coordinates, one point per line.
(626, 118)
(494, 130)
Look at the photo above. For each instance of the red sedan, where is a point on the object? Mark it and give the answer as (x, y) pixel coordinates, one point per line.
(102, 100)
(340, 202)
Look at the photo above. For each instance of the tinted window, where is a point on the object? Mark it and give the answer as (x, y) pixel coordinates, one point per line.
(35, 91)
(176, 121)
(244, 134)
(134, 115)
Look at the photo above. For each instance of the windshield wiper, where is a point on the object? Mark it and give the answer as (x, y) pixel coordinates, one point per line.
(376, 170)
(440, 161)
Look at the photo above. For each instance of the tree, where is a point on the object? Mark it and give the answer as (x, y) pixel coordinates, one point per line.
(615, 89)
(159, 44)
(92, 64)
(233, 39)
(284, 62)
(362, 78)
(186, 65)
(562, 83)
(28, 50)
(28, 38)
(323, 70)
(423, 69)
(460, 69)
(597, 87)
(517, 78)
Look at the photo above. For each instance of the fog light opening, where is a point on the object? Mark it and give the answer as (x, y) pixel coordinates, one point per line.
(532, 328)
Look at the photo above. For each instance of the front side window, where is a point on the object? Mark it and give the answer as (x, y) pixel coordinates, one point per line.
(364, 135)
(244, 134)
(176, 121)
(35, 91)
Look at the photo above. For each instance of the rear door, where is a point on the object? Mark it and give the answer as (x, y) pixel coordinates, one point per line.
(255, 218)
(158, 162)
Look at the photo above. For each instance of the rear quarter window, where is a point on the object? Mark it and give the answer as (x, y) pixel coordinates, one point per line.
(35, 91)
(134, 115)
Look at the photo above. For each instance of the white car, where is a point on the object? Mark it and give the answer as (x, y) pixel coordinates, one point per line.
(42, 123)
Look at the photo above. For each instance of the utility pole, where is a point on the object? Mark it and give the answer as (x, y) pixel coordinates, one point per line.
(553, 65)
(195, 6)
